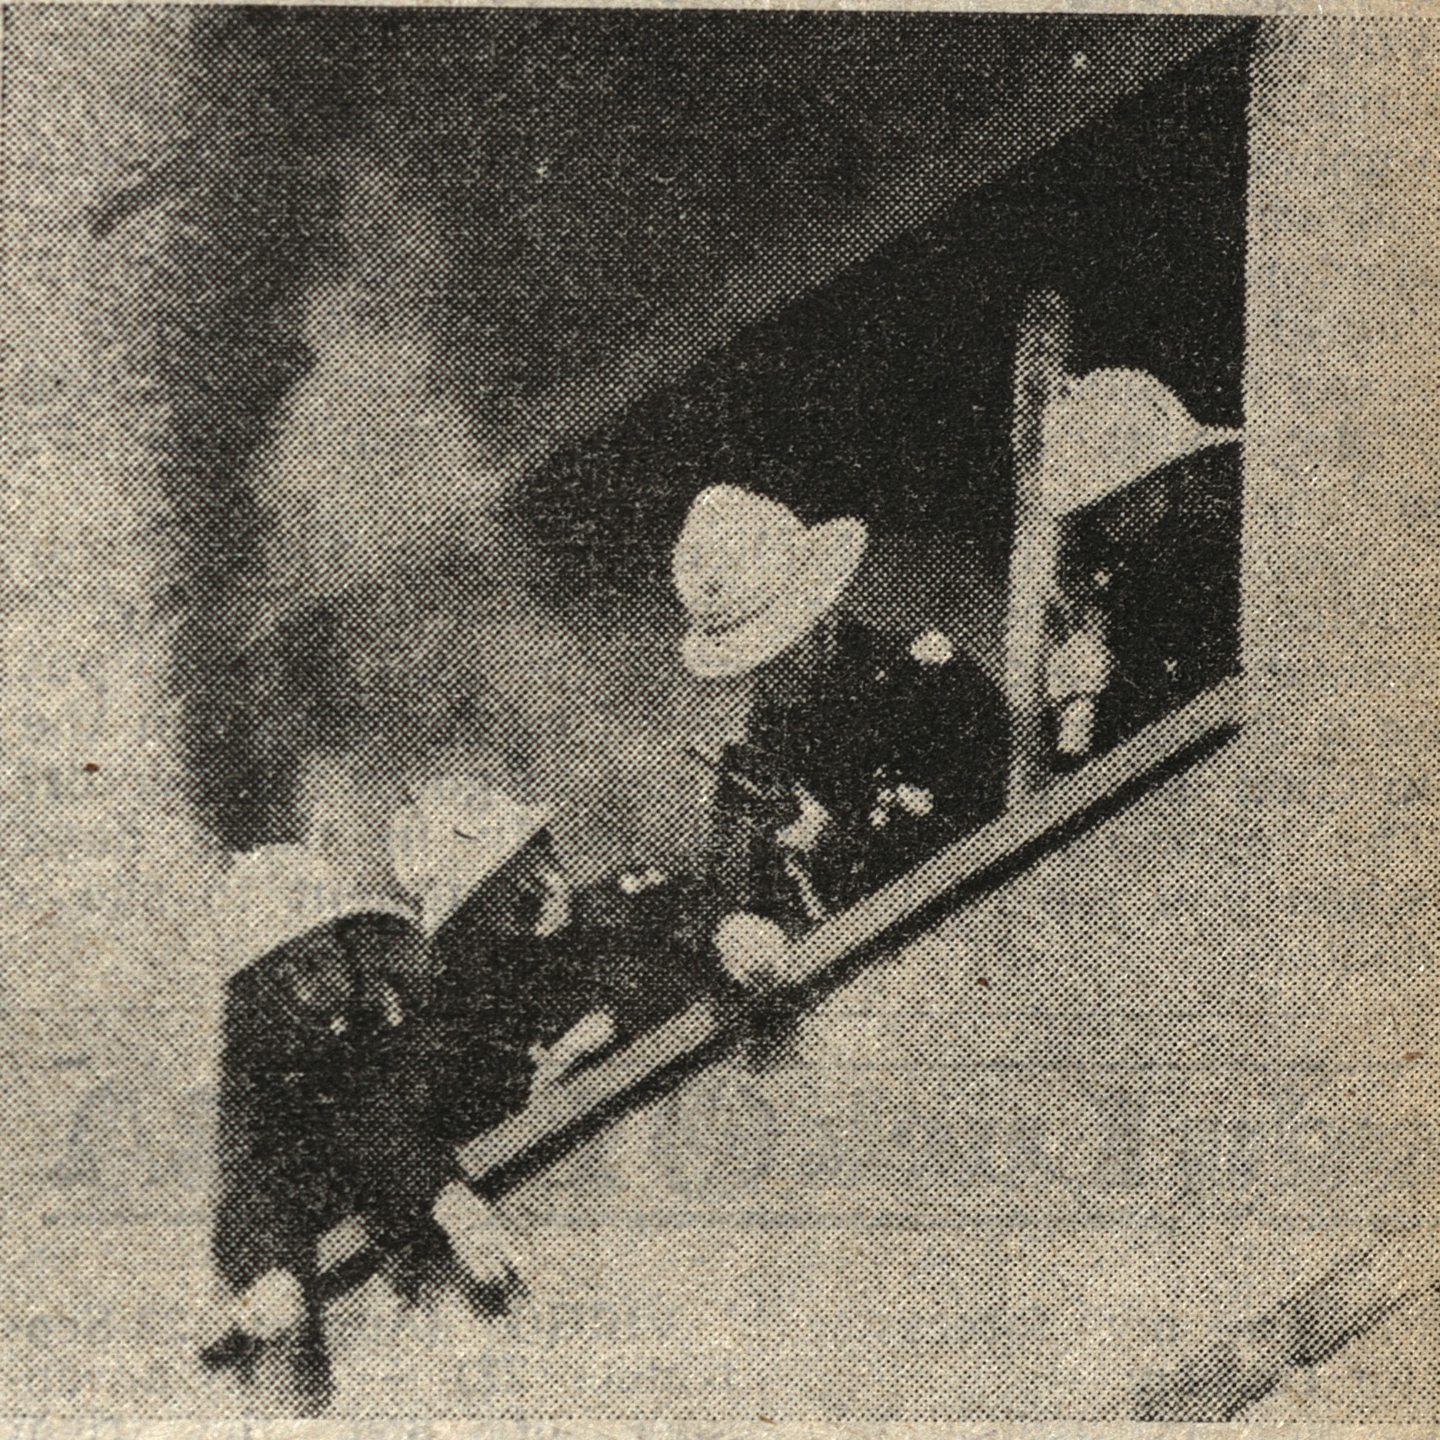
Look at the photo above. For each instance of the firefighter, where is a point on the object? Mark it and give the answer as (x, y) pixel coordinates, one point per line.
(322, 1110)
(531, 975)
(530, 980)
(863, 752)
(492, 893)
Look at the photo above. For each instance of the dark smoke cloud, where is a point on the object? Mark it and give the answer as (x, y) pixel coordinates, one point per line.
(397, 236)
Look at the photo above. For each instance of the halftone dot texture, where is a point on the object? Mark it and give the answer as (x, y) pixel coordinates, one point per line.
(360, 366)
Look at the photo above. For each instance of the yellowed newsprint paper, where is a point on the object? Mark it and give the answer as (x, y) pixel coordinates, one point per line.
(720, 722)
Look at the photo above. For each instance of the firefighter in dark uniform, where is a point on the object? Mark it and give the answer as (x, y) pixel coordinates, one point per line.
(530, 977)
(322, 1106)
(531, 974)
(493, 900)
(1146, 609)
(1154, 570)
(864, 753)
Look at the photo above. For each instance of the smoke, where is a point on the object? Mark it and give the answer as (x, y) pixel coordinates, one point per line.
(368, 461)
(372, 456)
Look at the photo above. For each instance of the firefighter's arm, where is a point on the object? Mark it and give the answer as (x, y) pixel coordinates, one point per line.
(594, 1032)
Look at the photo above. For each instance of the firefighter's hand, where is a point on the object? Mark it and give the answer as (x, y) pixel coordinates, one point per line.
(483, 1244)
(1082, 665)
(593, 1033)
(804, 832)
(752, 949)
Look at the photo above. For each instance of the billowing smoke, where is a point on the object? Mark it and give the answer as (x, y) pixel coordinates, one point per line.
(368, 460)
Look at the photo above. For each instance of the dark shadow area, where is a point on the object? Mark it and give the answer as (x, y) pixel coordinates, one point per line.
(564, 180)
(888, 393)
